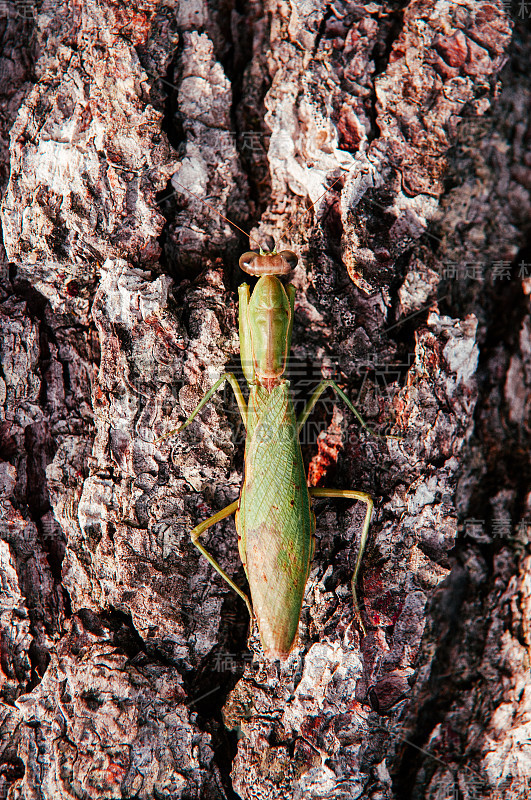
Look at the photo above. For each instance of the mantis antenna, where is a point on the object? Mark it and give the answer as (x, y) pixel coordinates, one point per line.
(237, 227)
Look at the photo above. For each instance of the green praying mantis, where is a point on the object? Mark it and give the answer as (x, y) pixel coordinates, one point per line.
(274, 519)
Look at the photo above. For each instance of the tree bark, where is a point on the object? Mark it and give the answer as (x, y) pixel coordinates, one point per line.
(388, 146)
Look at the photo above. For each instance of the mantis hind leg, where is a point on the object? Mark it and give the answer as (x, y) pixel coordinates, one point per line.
(200, 529)
(365, 498)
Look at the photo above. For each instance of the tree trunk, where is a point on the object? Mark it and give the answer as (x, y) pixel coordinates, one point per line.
(386, 146)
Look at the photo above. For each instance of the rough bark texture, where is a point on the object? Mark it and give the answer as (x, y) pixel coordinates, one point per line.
(124, 662)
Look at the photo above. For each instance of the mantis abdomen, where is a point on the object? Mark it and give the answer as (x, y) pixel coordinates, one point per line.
(274, 521)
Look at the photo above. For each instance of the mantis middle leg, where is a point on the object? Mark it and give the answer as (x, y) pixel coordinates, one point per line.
(322, 387)
(227, 376)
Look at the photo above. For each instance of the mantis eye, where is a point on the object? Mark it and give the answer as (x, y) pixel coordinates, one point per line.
(289, 257)
(246, 261)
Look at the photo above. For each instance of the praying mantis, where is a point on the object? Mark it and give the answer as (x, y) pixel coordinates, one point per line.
(274, 520)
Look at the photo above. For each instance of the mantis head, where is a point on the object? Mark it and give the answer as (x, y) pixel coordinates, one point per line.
(268, 262)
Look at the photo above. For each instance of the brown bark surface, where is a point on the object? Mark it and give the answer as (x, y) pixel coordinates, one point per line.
(126, 129)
